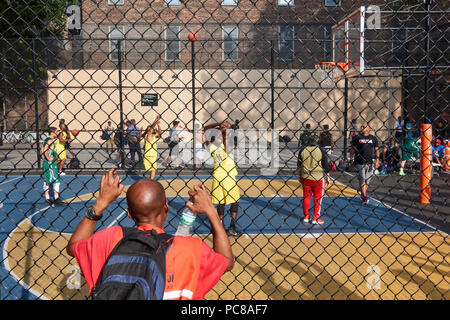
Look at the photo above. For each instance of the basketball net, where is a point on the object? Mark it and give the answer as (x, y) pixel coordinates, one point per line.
(326, 72)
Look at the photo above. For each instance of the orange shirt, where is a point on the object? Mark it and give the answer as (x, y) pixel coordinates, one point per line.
(192, 267)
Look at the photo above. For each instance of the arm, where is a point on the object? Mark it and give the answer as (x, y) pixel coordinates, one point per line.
(110, 189)
(45, 151)
(377, 154)
(200, 202)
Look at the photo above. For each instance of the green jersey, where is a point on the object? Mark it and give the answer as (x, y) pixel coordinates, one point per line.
(50, 168)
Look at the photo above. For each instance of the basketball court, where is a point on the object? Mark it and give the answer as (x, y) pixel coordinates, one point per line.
(277, 257)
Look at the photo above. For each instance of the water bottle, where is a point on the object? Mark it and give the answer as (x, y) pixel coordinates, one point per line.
(186, 223)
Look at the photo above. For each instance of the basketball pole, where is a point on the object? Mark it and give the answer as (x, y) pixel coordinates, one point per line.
(119, 69)
(426, 164)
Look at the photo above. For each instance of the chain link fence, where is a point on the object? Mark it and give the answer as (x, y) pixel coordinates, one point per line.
(277, 71)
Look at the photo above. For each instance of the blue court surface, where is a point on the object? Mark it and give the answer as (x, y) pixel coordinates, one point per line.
(22, 198)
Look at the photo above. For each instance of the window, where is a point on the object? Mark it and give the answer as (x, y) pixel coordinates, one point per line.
(172, 43)
(283, 3)
(286, 42)
(332, 3)
(115, 2)
(116, 42)
(173, 2)
(230, 42)
(229, 2)
(327, 44)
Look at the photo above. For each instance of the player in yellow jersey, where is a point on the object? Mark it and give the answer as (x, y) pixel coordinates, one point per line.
(151, 137)
(60, 148)
(225, 190)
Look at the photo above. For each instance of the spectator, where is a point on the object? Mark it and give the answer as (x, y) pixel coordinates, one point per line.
(389, 151)
(399, 124)
(313, 168)
(174, 140)
(438, 153)
(133, 139)
(192, 267)
(326, 140)
(364, 149)
(440, 131)
(304, 136)
(121, 142)
(410, 151)
(408, 131)
(109, 129)
(353, 129)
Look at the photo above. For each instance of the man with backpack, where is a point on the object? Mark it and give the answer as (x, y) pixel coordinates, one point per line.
(144, 262)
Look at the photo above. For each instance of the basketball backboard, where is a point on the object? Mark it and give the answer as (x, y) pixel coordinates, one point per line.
(348, 37)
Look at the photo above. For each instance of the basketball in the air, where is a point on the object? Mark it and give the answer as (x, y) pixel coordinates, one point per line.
(192, 37)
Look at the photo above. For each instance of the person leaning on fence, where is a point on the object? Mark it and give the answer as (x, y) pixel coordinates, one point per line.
(364, 149)
(192, 267)
(313, 169)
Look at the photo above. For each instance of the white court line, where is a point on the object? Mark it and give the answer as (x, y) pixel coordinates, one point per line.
(10, 180)
(401, 212)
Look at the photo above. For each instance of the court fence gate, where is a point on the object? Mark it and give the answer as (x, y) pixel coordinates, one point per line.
(278, 75)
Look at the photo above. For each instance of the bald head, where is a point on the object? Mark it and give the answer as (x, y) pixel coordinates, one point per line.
(146, 200)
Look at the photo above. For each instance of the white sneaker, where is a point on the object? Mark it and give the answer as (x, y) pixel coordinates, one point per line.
(62, 173)
(306, 220)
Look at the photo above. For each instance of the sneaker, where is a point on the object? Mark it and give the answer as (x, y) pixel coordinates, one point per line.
(366, 200)
(58, 202)
(233, 232)
(402, 173)
(49, 202)
(62, 173)
(317, 221)
(306, 219)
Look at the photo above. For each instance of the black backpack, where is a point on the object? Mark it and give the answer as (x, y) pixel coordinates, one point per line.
(136, 267)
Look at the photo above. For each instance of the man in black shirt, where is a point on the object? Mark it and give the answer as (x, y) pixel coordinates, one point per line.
(364, 147)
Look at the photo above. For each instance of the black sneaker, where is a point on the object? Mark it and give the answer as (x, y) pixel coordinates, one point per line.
(49, 202)
(58, 202)
(233, 232)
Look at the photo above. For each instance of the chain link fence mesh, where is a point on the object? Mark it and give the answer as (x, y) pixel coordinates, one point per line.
(275, 70)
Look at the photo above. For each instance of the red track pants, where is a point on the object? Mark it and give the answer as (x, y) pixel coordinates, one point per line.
(316, 189)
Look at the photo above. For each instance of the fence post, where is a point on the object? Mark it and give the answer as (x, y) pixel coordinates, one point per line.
(193, 100)
(122, 133)
(36, 105)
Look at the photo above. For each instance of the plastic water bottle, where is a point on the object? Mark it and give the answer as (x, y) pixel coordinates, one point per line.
(186, 223)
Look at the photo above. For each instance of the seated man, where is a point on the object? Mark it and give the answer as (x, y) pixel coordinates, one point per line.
(438, 153)
(192, 267)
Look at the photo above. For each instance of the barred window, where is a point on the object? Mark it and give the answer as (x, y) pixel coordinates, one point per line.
(116, 42)
(230, 43)
(172, 43)
(286, 41)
